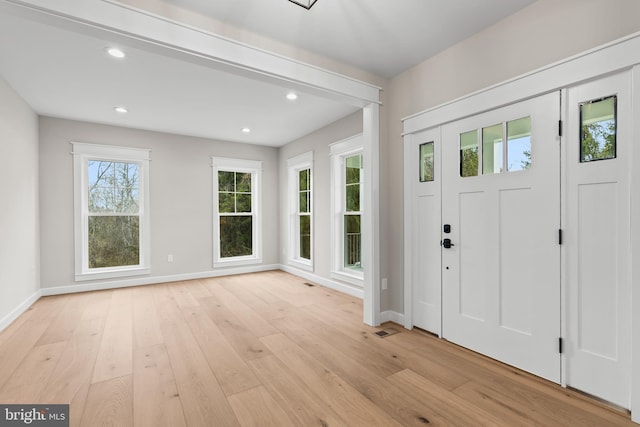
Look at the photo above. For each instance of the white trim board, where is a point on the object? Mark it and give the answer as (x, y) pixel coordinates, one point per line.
(181, 40)
(345, 288)
(19, 310)
(392, 316)
(115, 284)
(611, 57)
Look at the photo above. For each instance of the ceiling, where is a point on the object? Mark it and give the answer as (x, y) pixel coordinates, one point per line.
(384, 37)
(67, 74)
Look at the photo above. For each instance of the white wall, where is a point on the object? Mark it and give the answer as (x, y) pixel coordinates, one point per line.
(19, 236)
(543, 33)
(181, 196)
(318, 142)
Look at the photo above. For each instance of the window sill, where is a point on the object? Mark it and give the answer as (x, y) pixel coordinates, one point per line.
(112, 273)
(233, 262)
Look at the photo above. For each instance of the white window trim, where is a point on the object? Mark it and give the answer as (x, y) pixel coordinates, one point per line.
(82, 153)
(239, 165)
(295, 165)
(338, 152)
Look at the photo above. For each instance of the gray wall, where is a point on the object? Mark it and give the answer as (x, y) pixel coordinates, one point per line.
(318, 142)
(543, 33)
(181, 196)
(19, 237)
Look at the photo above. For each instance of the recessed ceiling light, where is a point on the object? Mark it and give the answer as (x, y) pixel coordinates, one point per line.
(121, 110)
(115, 52)
(291, 96)
(246, 130)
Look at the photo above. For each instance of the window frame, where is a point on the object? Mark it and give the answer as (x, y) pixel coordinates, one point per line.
(82, 154)
(339, 151)
(295, 165)
(254, 167)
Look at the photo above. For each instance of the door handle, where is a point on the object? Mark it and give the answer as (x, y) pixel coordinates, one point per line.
(446, 243)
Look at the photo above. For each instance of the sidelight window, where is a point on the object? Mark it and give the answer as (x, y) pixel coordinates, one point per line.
(598, 129)
(426, 162)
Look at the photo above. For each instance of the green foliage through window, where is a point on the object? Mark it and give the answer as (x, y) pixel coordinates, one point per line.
(426, 162)
(236, 236)
(304, 213)
(598, 130)
(469, 154)
(113, 219)
(352, 231)
(235, 199)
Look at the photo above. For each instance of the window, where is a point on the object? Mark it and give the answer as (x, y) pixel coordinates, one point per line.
(492, 149)
(236, 205)
(111, 211)
(426, 162)
(469, 154)
(598, 129)
(497, 157)
(301, 211)
(347, 200)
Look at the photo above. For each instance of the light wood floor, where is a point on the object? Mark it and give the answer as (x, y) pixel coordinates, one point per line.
(260, 350)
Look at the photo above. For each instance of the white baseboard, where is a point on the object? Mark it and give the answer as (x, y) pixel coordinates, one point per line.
(331, 284)
(392, 316)
(24, 306)
(141, 281)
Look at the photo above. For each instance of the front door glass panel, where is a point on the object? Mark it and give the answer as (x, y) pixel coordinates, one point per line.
(492, 149)
(519, 144)
(469, 154)
(598, 129)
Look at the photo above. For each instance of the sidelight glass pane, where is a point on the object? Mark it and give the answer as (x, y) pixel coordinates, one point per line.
(492, 149)
(114, 241)
(426, 162)
(519, 144)
(469, 153)
(236, 235)
(598, 129)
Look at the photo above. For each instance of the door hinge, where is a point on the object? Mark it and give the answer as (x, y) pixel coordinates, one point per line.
(559, 127)
(560, 236)
(560, 349)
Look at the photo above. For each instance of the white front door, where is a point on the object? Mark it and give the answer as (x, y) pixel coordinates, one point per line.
(501, 256)
(597, 238)
(425, 228)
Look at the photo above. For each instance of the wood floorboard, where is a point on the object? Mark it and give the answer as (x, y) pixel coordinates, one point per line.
(156, 400)
(256, 407)
(261, 349)
(230, 369)
(110, 403)
(115, 357)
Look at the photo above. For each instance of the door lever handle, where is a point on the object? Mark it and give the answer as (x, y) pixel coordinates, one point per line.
(446, 243)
